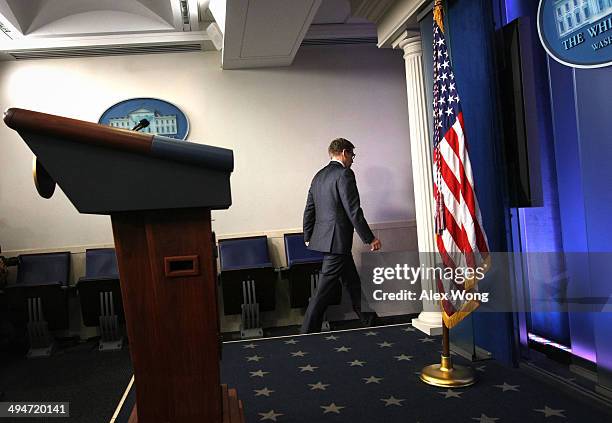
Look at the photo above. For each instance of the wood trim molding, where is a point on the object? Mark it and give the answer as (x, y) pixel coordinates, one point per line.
(372, 10)
(392, 17)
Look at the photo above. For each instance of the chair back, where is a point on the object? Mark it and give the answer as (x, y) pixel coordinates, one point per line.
(43, 269)
(296, 251)
(101, 263)
(244, 253)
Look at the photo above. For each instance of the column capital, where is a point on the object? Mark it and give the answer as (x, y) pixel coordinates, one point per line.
(410, 42)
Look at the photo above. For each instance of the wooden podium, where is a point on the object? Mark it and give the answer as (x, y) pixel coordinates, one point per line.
(159, 193)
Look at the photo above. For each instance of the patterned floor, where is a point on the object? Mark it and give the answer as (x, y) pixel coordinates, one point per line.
(371, 375)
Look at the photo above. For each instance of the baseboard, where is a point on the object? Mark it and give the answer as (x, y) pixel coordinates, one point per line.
(597, 399)
(585, 373)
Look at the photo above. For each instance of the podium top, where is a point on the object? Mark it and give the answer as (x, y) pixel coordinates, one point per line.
(75, 130)
(105, 170)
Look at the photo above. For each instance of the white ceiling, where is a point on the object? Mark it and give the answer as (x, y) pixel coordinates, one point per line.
(257, 28)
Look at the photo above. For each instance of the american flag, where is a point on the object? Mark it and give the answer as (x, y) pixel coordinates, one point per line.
(460, 237)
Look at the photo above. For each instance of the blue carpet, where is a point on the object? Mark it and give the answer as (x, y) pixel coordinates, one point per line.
(376, 380)
(371, 375)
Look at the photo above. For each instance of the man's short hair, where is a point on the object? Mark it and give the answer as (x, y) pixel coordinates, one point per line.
(338, 145)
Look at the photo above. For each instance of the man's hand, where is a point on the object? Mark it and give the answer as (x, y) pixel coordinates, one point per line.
(307, 242)
(375, 245)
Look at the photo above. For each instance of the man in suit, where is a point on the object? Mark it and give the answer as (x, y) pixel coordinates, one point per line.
(331, 215)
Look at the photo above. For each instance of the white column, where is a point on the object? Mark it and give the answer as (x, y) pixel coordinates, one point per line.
(430, 319)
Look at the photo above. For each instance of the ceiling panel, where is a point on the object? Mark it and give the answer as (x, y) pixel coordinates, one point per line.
(274, 28)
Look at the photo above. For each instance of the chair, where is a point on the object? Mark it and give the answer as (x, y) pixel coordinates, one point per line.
(303, 268)
(100, 297)
(39, 298)
(247, 274)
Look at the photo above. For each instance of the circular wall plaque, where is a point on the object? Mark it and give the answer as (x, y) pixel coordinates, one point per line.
(164, 118)
(577, 33)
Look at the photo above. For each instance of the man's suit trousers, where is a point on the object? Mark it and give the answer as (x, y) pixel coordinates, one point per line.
(336, 268)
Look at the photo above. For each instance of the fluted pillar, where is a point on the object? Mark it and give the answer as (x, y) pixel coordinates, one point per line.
(430, 319)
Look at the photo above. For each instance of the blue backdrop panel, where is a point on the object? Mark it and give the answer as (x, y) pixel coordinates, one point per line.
(471, 34)
(571, 202)
(594, 107)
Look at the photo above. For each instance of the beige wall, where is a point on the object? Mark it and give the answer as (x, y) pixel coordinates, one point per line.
(278, 122)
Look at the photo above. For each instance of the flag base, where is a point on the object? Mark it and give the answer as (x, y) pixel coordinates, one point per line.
(447, 375)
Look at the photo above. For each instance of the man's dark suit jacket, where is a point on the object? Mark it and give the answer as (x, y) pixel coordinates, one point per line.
(333, 211)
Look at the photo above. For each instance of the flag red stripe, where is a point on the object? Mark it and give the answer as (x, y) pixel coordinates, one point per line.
(467, 192)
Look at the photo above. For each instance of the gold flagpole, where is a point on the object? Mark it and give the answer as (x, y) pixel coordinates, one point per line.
(446, 374)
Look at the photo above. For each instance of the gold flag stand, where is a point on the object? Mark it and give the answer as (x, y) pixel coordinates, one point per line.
(446, 374)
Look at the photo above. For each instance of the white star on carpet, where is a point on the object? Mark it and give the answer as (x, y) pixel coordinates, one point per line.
(370, 333)
(249, 346)
(385, 344)
(449, 393)
(342, 349)
(319, 385)
(425, 340)
(255, 358)
(481, 368)
(403, 357)
(485, 419)
(356, 363)
(291, 342)
(505, 387)
(392, 401)
(332, 408)
(298, 354)
(265, 391)
(372, 379)
(408, 329)
(331, 338)
(548, 412)
(270, 415)
(258, 373)
(308, 368)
